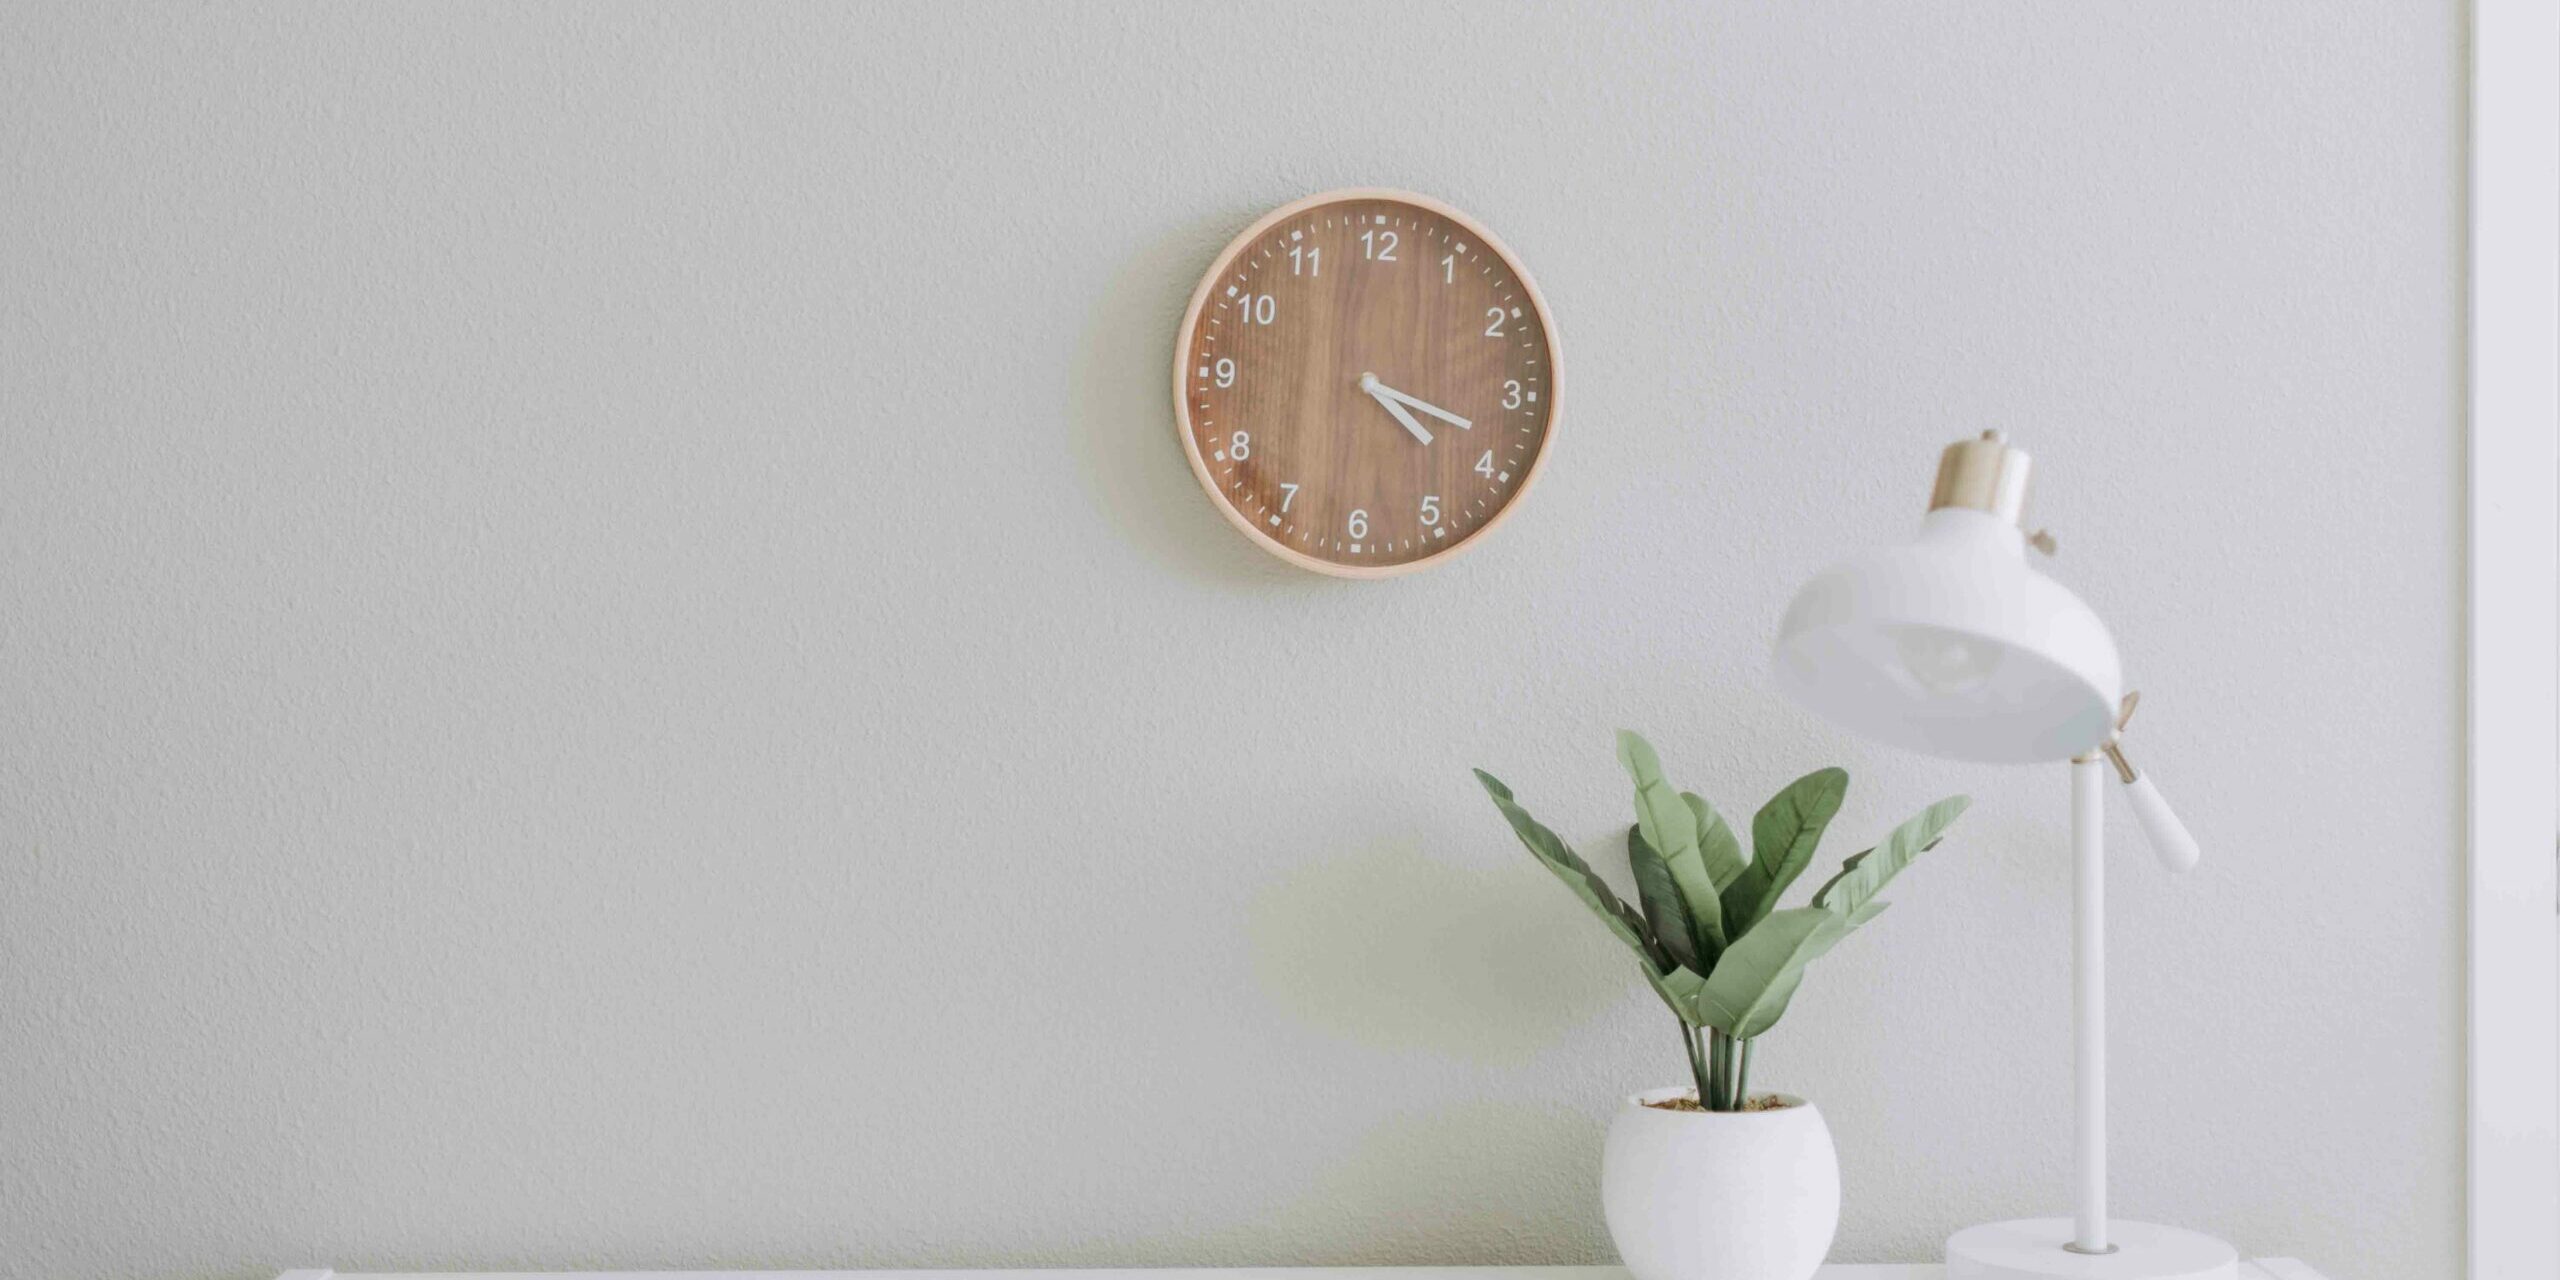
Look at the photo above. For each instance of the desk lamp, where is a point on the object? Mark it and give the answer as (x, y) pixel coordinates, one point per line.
(1954, 645)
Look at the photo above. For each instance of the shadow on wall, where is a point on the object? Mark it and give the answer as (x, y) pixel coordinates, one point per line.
(1393, 950)
(1120, 401)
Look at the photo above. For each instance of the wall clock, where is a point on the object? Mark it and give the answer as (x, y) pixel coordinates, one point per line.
(1366, 382)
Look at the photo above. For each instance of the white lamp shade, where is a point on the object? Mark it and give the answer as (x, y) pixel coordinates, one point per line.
(1953, 645)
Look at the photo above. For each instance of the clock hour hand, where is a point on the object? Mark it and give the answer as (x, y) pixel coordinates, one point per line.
(1424, 405)
(1377, 391)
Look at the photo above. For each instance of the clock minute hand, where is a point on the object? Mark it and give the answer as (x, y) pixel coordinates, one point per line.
(1369, 383)
(1424, 405)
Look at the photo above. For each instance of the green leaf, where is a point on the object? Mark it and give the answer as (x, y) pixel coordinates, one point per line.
(1865, 875)
(1723, 854)
(1680, 989)
(1667, 823)
(1663, 908)
(1577, 876)
(1758, 975)
(1783, 837)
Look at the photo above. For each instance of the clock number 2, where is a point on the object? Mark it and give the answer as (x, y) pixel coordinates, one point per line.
(1493, 319)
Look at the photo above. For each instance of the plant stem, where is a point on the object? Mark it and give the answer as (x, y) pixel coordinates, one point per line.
(1742, 1077)
(1720, 1068)
(1697, 1060)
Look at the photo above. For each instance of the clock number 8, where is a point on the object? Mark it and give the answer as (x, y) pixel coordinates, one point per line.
(1239, 447)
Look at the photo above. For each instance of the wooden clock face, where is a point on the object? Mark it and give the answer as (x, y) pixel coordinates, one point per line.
(1366, 382)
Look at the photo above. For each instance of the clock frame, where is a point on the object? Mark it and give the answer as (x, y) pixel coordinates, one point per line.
(1366, 382)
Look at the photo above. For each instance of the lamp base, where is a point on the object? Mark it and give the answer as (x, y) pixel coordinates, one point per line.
(2032, 1249)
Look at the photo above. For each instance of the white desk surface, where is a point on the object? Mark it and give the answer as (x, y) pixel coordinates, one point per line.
(2262, 1269)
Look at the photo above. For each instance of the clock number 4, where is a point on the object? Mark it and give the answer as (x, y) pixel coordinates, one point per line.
(1378, 246)
(1484, 465)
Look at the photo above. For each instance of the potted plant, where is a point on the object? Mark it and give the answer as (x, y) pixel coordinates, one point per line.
(1710, 1181)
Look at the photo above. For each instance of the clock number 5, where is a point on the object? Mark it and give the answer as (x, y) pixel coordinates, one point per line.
(1378, 246)
(1431, 509)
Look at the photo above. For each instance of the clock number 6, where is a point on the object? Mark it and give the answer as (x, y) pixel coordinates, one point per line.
(1358, 525)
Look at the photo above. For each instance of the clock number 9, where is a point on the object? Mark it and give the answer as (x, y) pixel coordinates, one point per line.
(1431, 509)
(1358, 525)
(1226, 372)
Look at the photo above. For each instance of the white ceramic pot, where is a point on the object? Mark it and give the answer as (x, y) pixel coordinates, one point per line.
(1703, 1195)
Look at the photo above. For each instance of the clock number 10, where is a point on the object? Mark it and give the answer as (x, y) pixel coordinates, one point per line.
(1257, 308)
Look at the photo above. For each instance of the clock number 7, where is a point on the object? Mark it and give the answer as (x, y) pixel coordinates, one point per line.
(1288, 494)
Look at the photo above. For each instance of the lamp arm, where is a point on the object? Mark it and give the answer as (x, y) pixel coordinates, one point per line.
(2170, 840)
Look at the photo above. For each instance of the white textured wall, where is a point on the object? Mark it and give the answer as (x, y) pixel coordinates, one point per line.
(609, 657)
